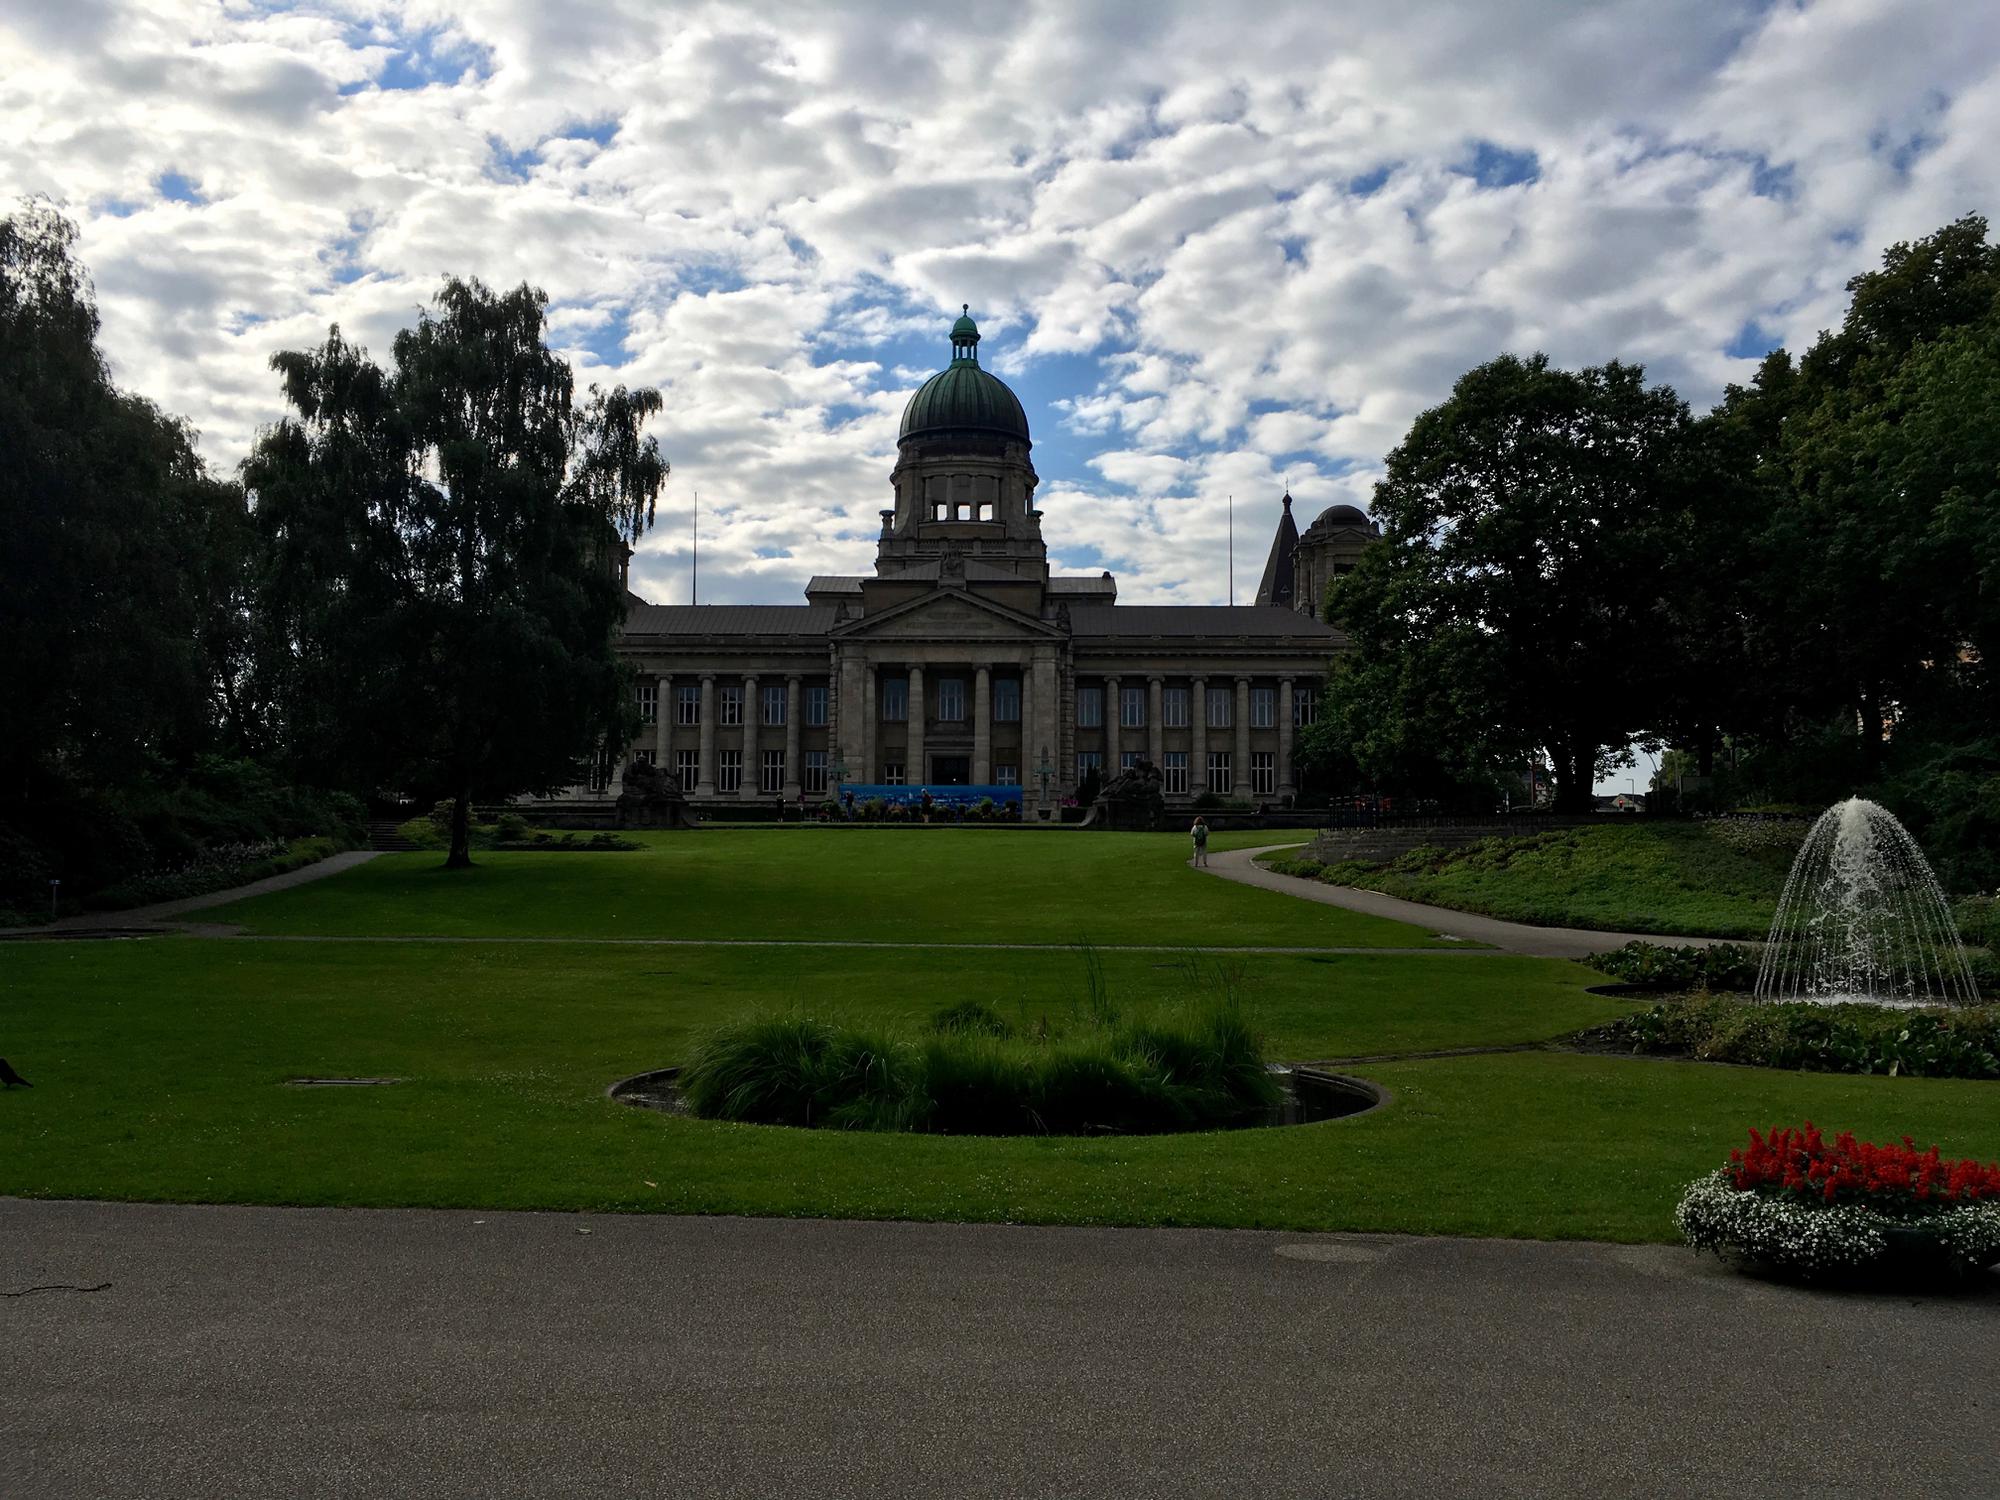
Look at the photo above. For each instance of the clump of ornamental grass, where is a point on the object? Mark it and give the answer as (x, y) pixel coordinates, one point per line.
(1194, 1067)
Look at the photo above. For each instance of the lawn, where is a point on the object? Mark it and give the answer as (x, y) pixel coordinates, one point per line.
(1707, 879)
(938, 885)
(159, 1068)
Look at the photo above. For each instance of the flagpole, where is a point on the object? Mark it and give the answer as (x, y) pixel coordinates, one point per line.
(694, 575)
(1232, 550)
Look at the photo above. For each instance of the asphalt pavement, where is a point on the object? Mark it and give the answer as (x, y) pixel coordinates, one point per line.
(167, 1350)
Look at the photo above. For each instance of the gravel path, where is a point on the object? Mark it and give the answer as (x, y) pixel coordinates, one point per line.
(1509, 937)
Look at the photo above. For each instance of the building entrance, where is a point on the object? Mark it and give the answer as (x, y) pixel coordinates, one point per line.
(951, 770)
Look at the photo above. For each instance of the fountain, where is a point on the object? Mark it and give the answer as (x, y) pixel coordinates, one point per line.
(1863, 919)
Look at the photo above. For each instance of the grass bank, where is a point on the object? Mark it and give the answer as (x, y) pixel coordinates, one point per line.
(1700, 879)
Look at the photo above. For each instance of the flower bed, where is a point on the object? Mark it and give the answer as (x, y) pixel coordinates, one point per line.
(1798, 1203)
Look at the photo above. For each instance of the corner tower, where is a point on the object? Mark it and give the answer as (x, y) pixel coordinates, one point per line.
(964, 482)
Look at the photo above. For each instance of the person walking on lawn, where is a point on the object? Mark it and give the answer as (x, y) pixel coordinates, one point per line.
(1199, 833)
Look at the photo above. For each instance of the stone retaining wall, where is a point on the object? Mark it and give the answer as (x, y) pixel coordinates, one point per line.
(1390, 839)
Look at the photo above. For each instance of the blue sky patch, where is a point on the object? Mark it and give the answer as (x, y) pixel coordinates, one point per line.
(177, 188)
(1494, 166)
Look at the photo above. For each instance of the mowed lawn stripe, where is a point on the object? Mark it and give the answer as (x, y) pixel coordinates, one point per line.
(903, 885)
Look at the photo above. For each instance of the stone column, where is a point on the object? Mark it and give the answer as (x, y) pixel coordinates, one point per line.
(748, 790)
(704, 781)
(663, 722)
(792, 776)
(1286, 786)
(871, 712)
(1156, 731)
(1198, 726)
(1031, 785)
(913, 764)
(1241, 757)
(1113, 728)
(982, 726)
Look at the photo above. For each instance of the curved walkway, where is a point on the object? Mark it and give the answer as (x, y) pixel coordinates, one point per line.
(1510, 937)
(157, 917)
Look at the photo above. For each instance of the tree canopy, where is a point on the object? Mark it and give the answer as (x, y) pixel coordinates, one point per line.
(444, 545)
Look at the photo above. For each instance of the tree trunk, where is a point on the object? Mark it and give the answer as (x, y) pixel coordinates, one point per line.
(1573, 783)
(460, 857)
(1705, 759)
(1871, 732)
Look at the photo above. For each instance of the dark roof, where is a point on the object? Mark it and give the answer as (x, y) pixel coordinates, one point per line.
(1194, 619)
(1336, 516)
(834, 583)
(964, 398)
(1079, 584)
(1277, 585)
(731, 619)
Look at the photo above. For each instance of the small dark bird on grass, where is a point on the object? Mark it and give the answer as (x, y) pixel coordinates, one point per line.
(10, 1078)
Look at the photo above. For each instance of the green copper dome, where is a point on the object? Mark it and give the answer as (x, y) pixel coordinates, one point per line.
(962, 397)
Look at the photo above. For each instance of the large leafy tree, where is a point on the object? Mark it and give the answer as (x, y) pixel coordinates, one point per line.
(1518, 597)
(105, 584)
(443, 555)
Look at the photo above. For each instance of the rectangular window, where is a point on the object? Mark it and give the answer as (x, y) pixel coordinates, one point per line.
(1088, 761)
(1221, 708)
(687, 768)
(1305, 707)
(1263, 707)
(1132, 707)
(892, 773)
(815, 770)
(1127, 759)
(729, 771)
(1005, 775)
(1006, 700)
(1218, 773)
(643, 757)
(772, 777)
(649, 702)
(690, 703)
(951, 699)
(1090, 707)
(816, 699)
(1174, 708)
(732, 704)
(1175, 772)
(895, 699)
(1263, 773)
(774, 703)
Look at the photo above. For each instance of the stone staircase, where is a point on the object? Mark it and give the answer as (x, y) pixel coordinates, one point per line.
(383, 835)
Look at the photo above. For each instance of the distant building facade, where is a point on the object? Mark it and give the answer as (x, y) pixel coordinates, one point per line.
(962, 660)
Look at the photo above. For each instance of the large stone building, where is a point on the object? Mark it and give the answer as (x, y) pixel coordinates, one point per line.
(963, 661)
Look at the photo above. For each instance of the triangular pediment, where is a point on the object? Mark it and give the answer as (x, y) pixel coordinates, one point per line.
(948, 614)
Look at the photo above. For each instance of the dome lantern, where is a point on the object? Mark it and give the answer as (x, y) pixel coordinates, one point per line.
(965, 335)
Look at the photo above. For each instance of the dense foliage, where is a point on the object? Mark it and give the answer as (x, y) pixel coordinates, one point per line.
(974, 1074)
(1799, 592)
(1655, 966)
(1956, 1043)
(441, 547)
(417, 592)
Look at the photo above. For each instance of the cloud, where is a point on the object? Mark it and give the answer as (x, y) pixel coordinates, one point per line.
(1211, 249)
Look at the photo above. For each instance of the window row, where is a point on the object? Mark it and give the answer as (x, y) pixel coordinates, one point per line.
(1174, 772)
(1220, 707)
(729, 769)
(775, 701)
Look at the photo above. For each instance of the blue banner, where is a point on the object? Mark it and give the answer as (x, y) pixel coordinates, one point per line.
(941, 796)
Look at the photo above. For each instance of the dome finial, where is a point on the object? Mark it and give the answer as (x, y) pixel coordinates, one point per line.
(965, 335)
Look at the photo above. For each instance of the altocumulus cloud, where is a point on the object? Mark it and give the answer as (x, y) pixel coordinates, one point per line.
(1212, 247)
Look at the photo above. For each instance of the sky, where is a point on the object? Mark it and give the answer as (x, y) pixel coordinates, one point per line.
(1215, 248)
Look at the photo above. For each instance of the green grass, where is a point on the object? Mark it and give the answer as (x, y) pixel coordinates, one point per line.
(947, 885)
(159, 1065)
(1642, 877)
